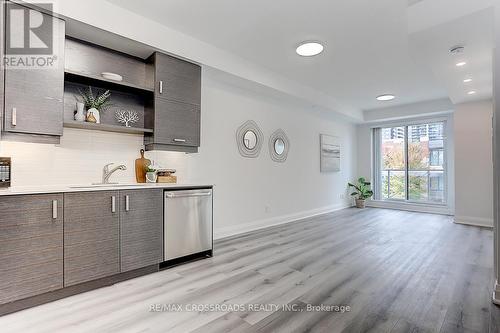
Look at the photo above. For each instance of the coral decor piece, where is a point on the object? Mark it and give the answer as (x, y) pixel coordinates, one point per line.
(126, 117)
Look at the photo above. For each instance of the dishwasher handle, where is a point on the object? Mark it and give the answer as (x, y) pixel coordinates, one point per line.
(186, 195)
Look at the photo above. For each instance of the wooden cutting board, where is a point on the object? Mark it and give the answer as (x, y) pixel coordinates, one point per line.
(140, 168)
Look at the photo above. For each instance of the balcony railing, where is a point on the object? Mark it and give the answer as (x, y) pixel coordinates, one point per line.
(425, 185)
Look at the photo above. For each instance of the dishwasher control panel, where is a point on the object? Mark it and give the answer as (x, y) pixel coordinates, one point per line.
(5, 172)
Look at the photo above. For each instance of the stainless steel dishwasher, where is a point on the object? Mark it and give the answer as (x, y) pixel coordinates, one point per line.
(188, 223)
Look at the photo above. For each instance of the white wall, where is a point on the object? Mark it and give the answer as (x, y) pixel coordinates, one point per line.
(470, 166)
(249, 193)
(245, 187)
(473, 163)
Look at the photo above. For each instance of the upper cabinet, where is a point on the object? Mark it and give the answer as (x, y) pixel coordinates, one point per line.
(87, 62)
(177, 79)
(175, 113)
(160, 92)
(33, 91)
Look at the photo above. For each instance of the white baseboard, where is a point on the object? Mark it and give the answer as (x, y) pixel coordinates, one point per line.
(411, 207)
(475, 221)
(228, 231)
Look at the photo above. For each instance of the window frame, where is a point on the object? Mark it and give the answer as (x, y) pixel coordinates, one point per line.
(377, 161)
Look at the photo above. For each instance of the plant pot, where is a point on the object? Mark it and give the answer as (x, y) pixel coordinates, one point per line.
(93, 116)
(151, 177)
(360, 203)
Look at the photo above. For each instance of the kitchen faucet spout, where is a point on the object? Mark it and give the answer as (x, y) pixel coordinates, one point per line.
(106, 173)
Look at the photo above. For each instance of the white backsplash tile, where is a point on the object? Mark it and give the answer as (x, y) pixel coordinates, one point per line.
(80, 156)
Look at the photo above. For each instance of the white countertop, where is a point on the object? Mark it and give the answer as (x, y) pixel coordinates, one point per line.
(19, 190)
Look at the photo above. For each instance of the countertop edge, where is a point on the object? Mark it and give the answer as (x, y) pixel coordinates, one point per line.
(73, 189)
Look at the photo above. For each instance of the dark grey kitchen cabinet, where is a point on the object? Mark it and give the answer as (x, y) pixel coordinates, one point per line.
(91, 236)
(175, 112)
(34, 96)
(176, 125)
(31, 245)
(141, 228)
(177, 79)
(90, 60)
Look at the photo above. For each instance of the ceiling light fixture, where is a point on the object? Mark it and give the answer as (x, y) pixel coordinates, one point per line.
(467, 80)
(460, 64)
(386, 97)
(309, 49)
(472, 92)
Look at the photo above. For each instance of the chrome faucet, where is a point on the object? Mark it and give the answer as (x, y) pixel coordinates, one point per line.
(106, 173)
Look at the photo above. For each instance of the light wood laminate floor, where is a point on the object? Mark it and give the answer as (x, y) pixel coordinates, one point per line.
(397, 271)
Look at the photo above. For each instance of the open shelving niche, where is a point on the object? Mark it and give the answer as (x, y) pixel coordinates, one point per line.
(135, 92)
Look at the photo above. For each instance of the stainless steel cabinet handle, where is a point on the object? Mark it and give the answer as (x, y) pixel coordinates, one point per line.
(179, 140)
(113, 204)
(161, 87)
(127, 203)
(14, 116)
(202, 194)
(54, 209)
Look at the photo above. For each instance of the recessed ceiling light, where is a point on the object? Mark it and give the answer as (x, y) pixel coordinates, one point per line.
(386, 97)
(460, 64)
(467, 80)
(309, 49)
(472, 92)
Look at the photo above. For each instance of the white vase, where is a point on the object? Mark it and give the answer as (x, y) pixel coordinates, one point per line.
(95, 113)
(80, 112)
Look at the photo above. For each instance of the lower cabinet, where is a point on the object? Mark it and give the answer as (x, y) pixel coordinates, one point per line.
(91, 236)
(141, 228)
(31, 245)
(51, 241)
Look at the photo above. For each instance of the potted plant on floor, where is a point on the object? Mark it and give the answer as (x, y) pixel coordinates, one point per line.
(363, 192)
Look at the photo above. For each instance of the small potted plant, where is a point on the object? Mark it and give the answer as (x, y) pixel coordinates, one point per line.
(150, 174)
(363, 192)
(95, 104)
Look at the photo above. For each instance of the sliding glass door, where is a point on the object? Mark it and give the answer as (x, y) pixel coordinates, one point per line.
(410, 163)
(393, 176)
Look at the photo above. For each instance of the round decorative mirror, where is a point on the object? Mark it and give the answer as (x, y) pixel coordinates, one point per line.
(249, 138)
(279, 145)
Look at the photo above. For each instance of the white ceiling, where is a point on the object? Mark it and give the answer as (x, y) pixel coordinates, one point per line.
(475, 33)
(368, 49)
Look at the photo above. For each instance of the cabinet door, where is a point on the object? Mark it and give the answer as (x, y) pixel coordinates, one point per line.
(34, 95)
(176, 123)
(141, 228)
(91, 236)
(177, 79)
(31, 245)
